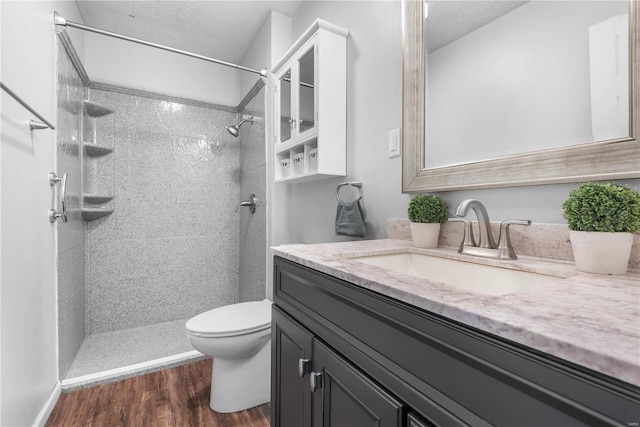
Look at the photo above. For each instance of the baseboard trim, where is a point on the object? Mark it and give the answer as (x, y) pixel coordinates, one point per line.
(47, 409)
(130, 371)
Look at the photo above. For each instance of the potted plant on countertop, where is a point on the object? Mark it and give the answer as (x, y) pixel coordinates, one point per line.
(426, 213)
(602, 218)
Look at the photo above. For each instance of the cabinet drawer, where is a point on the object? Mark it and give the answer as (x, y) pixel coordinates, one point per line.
(448, 372)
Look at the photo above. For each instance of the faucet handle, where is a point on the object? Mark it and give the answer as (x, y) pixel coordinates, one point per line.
(504, 241)
(467, 238)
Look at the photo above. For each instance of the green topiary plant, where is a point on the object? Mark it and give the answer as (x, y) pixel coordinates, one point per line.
(603, 207)
(428, 208)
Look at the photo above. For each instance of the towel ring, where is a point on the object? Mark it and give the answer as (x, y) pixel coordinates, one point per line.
(356, 184)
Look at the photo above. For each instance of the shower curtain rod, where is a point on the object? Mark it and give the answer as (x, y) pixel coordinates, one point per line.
(61, 22)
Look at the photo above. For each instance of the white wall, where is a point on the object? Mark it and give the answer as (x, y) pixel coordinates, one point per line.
(28, 345)
(374, 107)
(122, 63)
(257, 57)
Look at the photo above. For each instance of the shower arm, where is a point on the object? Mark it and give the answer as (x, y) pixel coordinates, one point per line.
(60, 22)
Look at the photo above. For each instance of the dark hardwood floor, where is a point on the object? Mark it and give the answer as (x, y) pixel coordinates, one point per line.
(172, 397)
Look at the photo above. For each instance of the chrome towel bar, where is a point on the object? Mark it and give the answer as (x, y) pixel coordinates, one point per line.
(33, 125)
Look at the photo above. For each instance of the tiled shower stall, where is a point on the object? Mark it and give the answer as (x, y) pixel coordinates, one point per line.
(176, 243)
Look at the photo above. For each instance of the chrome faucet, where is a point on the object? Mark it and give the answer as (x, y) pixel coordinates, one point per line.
(486, 237)
(486, 247)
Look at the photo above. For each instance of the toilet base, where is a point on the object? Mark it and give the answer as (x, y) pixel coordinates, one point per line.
(239, 384)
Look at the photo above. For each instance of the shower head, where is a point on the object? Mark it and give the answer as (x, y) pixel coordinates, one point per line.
(235, 129)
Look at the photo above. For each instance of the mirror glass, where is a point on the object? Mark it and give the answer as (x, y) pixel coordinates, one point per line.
(513, 93)
(306, 99)
(510, 77)
(285, 107)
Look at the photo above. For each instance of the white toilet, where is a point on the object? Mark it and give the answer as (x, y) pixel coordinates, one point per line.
(238, 337)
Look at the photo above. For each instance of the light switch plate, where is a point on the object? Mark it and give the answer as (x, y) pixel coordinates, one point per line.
(395, 144)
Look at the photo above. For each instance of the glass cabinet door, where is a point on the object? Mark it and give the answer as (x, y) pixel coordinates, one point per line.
(306, 91)
(286, 121)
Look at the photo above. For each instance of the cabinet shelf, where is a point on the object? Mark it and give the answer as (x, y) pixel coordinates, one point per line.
(92, 150)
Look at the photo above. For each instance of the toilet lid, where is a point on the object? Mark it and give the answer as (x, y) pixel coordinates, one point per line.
(232, 319)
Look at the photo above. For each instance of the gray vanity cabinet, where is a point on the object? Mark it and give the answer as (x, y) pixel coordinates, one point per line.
(307, 373)
(438, 371)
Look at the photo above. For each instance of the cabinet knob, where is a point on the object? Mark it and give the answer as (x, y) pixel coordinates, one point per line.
(304, 367)
(315, 381)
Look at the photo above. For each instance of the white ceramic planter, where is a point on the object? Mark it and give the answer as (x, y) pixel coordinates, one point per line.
(601, 253)
(425, 235)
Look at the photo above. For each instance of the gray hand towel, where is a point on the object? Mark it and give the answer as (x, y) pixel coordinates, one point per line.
(349, 219)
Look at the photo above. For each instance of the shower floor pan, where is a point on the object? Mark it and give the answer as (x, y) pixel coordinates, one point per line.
(110, 356)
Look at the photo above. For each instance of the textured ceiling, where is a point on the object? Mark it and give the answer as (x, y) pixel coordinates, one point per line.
(449, 20)
(219, 29)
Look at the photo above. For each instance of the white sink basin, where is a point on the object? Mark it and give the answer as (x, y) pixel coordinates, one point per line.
(484, 279)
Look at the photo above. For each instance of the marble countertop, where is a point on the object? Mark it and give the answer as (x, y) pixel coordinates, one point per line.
(591, 320)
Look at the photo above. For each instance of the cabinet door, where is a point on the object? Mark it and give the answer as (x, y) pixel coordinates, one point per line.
(285, 106)
(291, 347)
(306, 81)
(345, 397)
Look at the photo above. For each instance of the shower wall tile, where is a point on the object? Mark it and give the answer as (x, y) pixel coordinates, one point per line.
(70, 235)
(170, 249)
(173, 275)
(135, 112)
(191, 121)
(104, 129)
(99, 176)
(252, 227)
(72, 316)
(71, 273)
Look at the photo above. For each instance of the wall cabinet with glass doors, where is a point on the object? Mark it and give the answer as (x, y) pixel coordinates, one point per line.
(311, 105)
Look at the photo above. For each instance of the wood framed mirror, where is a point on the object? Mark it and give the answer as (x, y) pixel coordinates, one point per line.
(608, 159)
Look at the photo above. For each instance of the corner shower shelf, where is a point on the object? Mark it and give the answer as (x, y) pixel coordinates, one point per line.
(97, 169)
(92, 150)
(94, 110)
(94, 199)
(90, 214)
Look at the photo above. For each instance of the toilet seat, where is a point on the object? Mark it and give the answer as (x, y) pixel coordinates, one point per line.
(232, 320)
